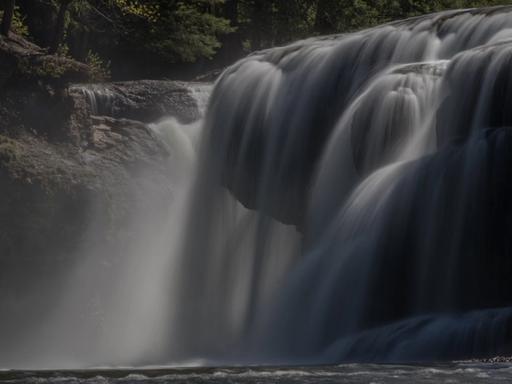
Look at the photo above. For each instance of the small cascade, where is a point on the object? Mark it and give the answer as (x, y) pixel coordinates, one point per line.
(146, 100)
(201, 92)
(182, 140)
(100, 99)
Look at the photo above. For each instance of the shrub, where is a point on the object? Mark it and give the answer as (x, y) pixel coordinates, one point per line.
(100, 69)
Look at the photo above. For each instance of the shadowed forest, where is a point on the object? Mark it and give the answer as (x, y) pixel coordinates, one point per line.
(126, 39)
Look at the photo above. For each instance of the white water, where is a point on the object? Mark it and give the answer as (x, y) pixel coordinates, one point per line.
(116, 306)
(355, 373)
(386, 148)
(100, 99)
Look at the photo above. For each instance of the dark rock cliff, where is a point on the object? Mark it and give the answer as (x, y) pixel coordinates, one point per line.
(145, 100)
(66, 174)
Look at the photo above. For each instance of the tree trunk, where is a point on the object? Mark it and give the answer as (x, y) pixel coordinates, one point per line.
(60, 26)
(231, 11)
(258, 25)
(8, 15)
(40, 20)
(232, 47)
(323, 22)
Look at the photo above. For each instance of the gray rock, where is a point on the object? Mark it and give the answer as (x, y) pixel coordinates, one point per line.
(145, 100)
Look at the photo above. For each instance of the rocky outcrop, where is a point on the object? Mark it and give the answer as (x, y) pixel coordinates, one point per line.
(67, 175)
(22, 62)
(33, 90)
(146, 100)
(61, 204)
(51, 190)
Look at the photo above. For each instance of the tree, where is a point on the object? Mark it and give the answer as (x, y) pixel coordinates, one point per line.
(60, 26)
(324, 20)
(8, 16)
(162, 37)
(178, 31)
(231, 43)
(293, 19)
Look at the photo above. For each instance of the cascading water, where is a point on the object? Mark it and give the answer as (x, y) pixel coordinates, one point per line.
(344, 199)
(100, 99)
(112, 307)
(389, 149)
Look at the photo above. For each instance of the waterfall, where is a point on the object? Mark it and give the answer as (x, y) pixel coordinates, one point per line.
(371, 172)
(100, 99)
(343, 198)
(113, 306)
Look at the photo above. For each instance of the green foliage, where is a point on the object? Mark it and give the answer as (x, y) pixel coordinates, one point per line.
(100, 69)
(18, 23)
(166, 32)
(63, 51)
(49, 69)
(193, 34)
(175, 30)
(8, 149)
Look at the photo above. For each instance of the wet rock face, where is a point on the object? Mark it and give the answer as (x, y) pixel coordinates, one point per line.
(61, 203)
(145, 100)
(67, 175)
(50, 189)
(33, 91)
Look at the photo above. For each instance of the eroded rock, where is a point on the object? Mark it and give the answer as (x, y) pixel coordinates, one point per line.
(145, 100)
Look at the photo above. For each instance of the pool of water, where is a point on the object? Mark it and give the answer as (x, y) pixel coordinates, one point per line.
(356, 373)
